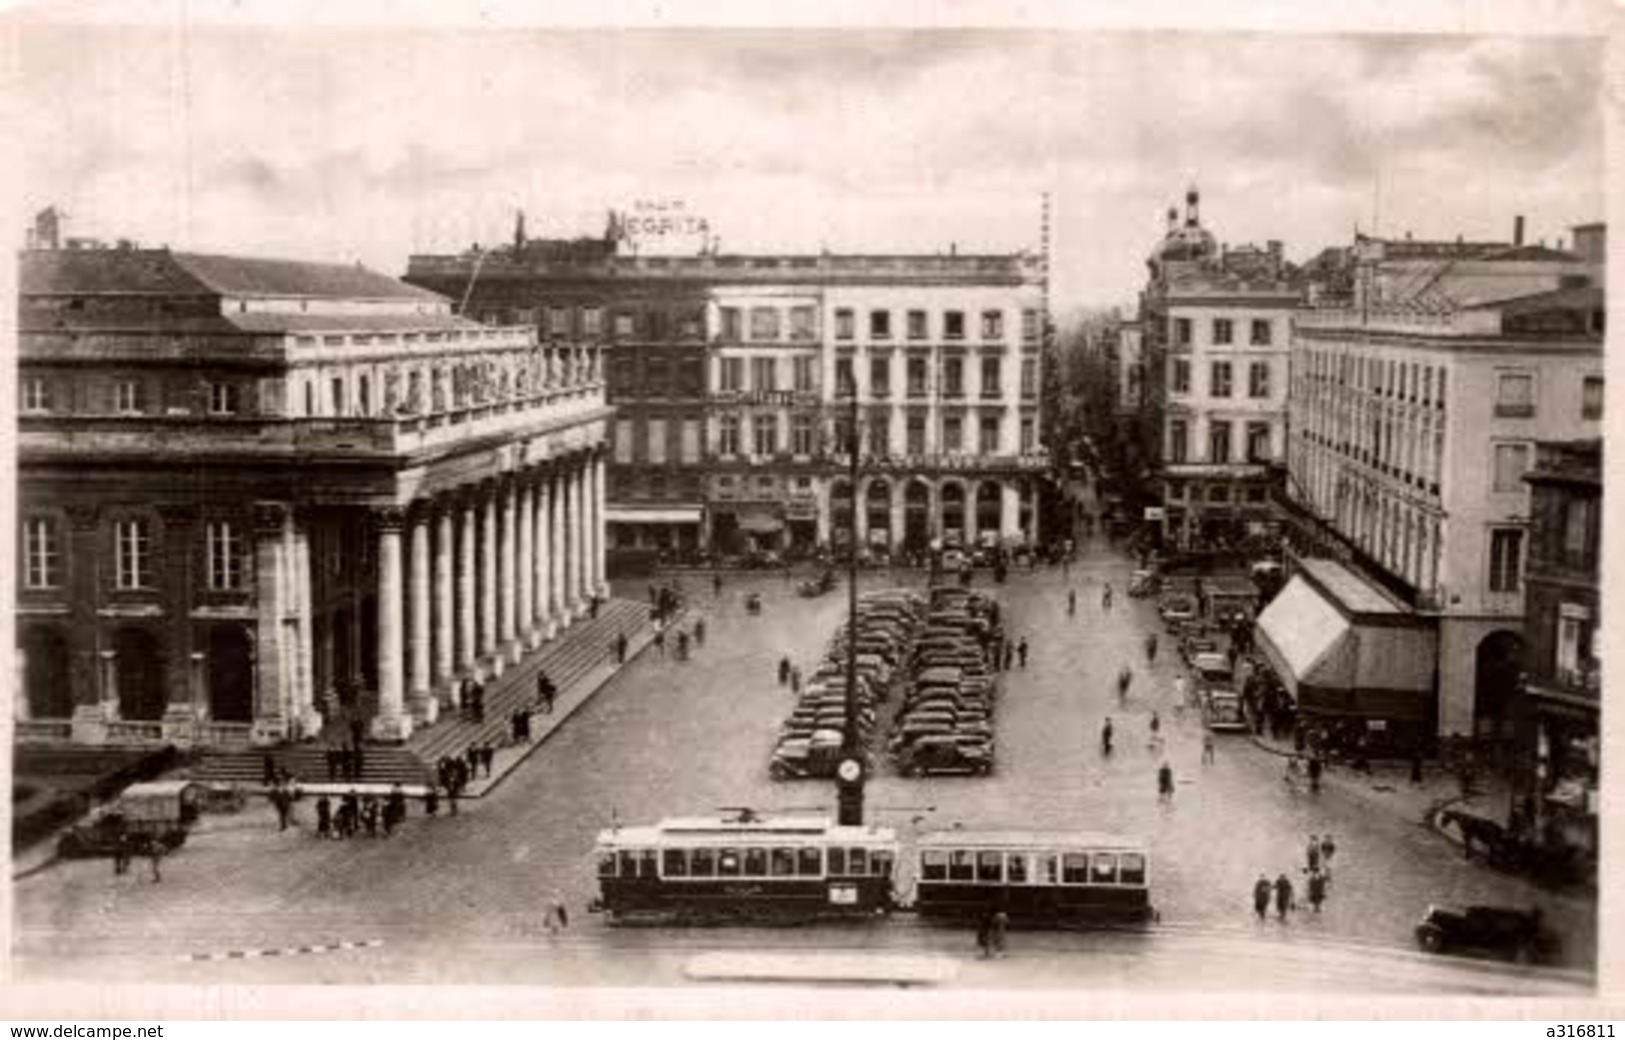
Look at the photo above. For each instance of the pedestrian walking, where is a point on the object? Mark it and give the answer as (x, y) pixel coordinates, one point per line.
(795, 680)
(660, 637)
(155, 855)
(997, 927)
(451, 798)
(1009, 655)
(1312, 854)
(699, 632)
(1283, 896)
(556, 918)
(472, 754)
(1317, 889)
(1261, 896)
(431, 801)
(1327, 848)
(1156, 725)
(1165, 782)
(716, 583)
(1106, 598)
(1125, 677)
(545, 692)
(332, 764)
(1151, 648)
(1315, 769)
(123, 850)
(267, 770)
(1021, 651)
(984, 936)
(1106, 737)
(1182, 691)
(682, 645)
(282, 801)
(784, 671)
(1207, 749)
(324, 817)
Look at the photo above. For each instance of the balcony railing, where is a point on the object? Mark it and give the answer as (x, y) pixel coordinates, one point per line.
(128, 731)
(43, 731)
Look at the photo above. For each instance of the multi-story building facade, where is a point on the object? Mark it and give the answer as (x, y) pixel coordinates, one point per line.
(943, 352)
(1412, 426)
(1219, 322)
(1559, 734)
(257, 496)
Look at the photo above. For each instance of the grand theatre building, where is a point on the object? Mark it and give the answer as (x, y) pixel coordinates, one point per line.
(258, 497)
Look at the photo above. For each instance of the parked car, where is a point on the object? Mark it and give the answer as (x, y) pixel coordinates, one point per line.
(1513, 934)
(945, 754)
(1177, 607)
(1193, 647)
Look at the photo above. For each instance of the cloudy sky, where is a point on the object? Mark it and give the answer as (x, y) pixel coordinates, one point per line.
(370, 143)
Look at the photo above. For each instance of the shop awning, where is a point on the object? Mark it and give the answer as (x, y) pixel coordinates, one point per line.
(1299, 632)
(760, 523)
(670, 515)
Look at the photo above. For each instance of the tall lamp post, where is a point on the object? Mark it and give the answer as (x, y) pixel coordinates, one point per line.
(852, 771)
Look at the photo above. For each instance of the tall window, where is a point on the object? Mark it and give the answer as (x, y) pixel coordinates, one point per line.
(1258, 442)
(1224, 331)
(801, 434)
(880, 324)
(1580, 533)
(592, 321)
(558, 321)
(1029, 325)
(990, 377)
(1218, 441)
(1258, 379)
(363, 395)
(802, 373)
(953, 434)
(1182, 332)
(1261, 332)
(988, 438)
(1511, 463)
(1515, 395)
(1506, 559)
(1591, 398)
(916, 434)
(623, 440)
(845, 324)
(880, 433)
(992, 325)
(764, 375)
(803, 323)
(766, 428)
(223, 546)
(953, 377)
(132, 554)
(764, 323)
(953, 325)
(880, 377)
(1574, 637)
(127, 397)
(36, 394)
(917, 325)
(1180, 381)
(728, 435)
(656, 431)
(42, 553)
(1029, 377)
(223, 398)
(1178, 441)
(916, 377)
(732, 374)
(1220, 384)
(690, 445)
(733, 329)
(1029, 439)
(845, 382)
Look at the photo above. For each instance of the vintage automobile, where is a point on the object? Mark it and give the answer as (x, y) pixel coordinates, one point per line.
(819, 585)
(1177, 607)
(1143, 582)
(1221, 710)
(1193, 647)
(945, 754)
(160, 812)
(1498, 931)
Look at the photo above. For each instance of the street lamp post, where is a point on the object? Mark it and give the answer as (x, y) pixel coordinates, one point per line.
(850, 774)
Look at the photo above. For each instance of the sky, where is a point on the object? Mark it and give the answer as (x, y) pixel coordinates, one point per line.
(370, 143)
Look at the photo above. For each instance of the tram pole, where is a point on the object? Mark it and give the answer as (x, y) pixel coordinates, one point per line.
(851, 774)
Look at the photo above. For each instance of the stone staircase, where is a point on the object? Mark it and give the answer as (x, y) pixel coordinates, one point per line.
(568, 659)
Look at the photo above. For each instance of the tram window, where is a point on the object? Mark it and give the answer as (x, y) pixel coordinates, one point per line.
(702, 863)
(727, 863)
(1075, 868)
(674, 862)
(784, 862)
(989, 866)
(809, 862)
(1050, 870)
(606, 864)
(629, 863)
(880, 863)
(755, 862)
(1015, 868)
(1131, 869)
(1103, 868)
(933, 865)
(837, 861)
(857, 862)
(961, 866)
(646, 863)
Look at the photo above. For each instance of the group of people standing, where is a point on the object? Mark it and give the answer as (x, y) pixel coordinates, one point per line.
(357, 813)
(1318, 855)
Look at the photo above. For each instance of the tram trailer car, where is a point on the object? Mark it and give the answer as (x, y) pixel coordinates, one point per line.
(746, 869)
(1037, 878)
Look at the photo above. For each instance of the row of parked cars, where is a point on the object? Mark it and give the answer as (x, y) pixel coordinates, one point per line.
(946, 721)
(810, 740)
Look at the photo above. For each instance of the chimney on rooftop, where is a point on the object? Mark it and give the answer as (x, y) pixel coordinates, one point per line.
(1517, 230)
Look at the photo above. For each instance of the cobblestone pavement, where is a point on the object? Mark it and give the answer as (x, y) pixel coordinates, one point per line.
(460, 899)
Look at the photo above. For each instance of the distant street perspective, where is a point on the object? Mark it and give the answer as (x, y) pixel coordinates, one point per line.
(843, 562)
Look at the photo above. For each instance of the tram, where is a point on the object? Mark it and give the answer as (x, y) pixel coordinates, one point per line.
(744, 868)
(1034, 877)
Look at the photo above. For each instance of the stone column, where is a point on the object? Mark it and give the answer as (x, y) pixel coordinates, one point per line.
(822, 517)
(488, 572)
(418, 687)
(544, 556)
(561, 550)
(860, 503)
(972, 528)
(507, 598)
(182, 710)
(578, 537)
(310, 719)
(601, 525)
(525, 566)
(444, 605)
(85, 669)
(390, 723)
(899, 513)
(271, 716)
(1010, 513)
(467, 648)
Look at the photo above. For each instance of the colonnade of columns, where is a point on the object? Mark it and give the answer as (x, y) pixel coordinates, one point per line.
(470, 580)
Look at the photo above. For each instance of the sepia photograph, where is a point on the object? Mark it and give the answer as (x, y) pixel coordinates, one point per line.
(882, 507)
